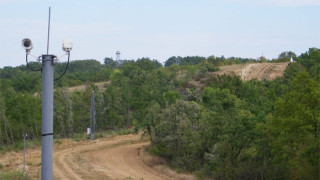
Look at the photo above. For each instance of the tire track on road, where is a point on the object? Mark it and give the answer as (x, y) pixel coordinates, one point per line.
(63, 164)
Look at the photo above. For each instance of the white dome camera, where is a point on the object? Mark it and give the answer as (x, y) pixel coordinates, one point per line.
(27, 44)
(67, 45)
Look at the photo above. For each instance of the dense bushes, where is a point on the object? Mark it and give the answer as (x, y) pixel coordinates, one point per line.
(229, 129)
(247, 130)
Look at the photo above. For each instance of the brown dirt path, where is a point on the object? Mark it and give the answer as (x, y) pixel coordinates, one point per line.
(123, 162)
(113, 158)
(69, 163)
(116, 157)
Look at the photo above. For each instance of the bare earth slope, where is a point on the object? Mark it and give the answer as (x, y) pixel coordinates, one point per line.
(259, 71)
(100, 85)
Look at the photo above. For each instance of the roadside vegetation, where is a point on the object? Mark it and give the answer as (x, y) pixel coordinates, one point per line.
(226, 128)
(15, 175)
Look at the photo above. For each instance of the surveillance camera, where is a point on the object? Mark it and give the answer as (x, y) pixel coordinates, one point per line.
(27, 44)
(67, 45)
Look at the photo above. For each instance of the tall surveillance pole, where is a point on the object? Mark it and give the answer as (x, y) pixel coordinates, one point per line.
(47, 70)
(47, 111)
(47, 117)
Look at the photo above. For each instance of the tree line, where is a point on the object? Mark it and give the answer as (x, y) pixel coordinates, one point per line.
(226, 129)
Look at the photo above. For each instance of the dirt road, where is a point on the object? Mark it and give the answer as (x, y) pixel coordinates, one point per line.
(73, 163)
(123, 162)
(114, 158)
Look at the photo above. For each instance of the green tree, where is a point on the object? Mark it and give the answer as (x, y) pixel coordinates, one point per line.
(173, 60)
(6, 136)
(294, 130)
(215, 61)
(172, 96)
(24, 114)
(151, 120)
(110, 63)
(234, 136)
(63, 114)
(311, 61)
(81, 102)
(286, 56)
(176, 136)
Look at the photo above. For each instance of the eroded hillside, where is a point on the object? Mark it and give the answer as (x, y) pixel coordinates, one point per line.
(259, 71)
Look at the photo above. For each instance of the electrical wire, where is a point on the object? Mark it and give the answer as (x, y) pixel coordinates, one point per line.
(27, 62)
(65, 70)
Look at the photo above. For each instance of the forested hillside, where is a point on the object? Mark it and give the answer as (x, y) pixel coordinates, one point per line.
(219, 126)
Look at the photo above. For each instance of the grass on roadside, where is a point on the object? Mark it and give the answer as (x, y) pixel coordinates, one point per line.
(14, 175)
(18, 146)
(109, 133)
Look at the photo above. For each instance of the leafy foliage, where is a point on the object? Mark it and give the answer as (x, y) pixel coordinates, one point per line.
(225, 129)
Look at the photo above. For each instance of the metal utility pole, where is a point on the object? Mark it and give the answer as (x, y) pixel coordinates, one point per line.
(47, 117)
(24, 152)
(93, 124)
(47, 70)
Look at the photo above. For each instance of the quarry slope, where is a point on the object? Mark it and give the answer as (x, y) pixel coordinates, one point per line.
(259, 71)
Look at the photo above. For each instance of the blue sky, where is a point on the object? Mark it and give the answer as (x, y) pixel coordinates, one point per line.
(159, 29)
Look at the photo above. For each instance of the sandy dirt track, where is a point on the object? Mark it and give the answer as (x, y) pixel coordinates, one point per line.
(114, 158)
(123, 162)
(72, 163)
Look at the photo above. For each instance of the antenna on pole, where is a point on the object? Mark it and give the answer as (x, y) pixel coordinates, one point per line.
(48, 30)
(47, 71)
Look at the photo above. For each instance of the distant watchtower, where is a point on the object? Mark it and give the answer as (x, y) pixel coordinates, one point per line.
(118, 56)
